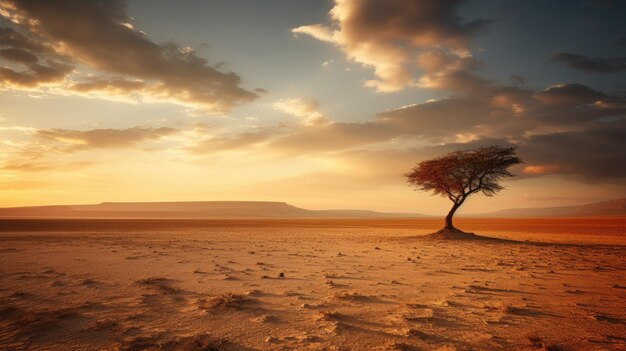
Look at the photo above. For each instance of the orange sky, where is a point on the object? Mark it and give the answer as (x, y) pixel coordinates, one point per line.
(324, 107)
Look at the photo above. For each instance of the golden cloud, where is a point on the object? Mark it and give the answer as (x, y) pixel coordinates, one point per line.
(308, 110)
(395, 37)
(104, 138)
(44, 149)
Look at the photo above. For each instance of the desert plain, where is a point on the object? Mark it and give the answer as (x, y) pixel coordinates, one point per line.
(314, 284)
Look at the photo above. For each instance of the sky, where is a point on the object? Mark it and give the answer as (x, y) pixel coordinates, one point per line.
(321, 104)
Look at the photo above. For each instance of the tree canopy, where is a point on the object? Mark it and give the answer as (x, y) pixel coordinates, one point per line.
(459, 174)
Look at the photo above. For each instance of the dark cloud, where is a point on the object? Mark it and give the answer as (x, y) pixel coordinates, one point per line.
(569, 94)
(496, 111)
(437, 119)
(517, 79)
(36, 75)
(18, 55)
(11, 38)
(591, 65)
(98, 34)
(595, 154)
(575, 106)
(564, 129)
(114, 85)
(39, 63)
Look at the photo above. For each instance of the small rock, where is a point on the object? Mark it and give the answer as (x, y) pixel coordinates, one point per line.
(271, 339)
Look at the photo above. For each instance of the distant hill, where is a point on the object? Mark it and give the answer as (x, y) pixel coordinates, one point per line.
(612, 208)
(188, 210)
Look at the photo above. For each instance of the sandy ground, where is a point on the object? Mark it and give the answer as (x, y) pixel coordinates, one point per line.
(310, 285)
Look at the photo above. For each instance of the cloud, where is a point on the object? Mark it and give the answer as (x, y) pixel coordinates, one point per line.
(360, 171)
(314, 133)
(388, 164)
(574, 106)
(569, 94)
(502, 111)
(308, 110)
(231, 142)
(18, 55)
(318, 133)
(40, 166)
(427, 44)
(113, 85)
(317, 31)
(517, 79)
(439, 118)
(103, 138)
(34, 150)
(99, 35)
(40, 64)
(533, 120)
(595, 154)
(591, 65)
(298, 140)
(568, 129)
(331, 137)
(12, 39)
(396, 37)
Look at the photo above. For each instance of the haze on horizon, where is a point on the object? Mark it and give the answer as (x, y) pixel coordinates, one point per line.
(321, 104)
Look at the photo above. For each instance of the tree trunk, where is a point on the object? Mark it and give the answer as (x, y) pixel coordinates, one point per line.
(449, 225)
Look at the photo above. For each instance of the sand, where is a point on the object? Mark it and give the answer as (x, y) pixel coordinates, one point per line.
(311, 285)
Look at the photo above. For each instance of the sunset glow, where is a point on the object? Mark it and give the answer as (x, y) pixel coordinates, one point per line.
(320, 104)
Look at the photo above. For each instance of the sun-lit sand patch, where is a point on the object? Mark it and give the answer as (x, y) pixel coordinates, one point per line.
(311, 285)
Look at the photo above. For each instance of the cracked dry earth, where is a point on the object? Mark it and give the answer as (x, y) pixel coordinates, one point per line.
(305, 285)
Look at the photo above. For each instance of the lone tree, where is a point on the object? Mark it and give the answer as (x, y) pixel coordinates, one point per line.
(460, 174)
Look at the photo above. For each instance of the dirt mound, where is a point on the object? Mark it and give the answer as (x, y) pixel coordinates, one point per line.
(455, 234)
